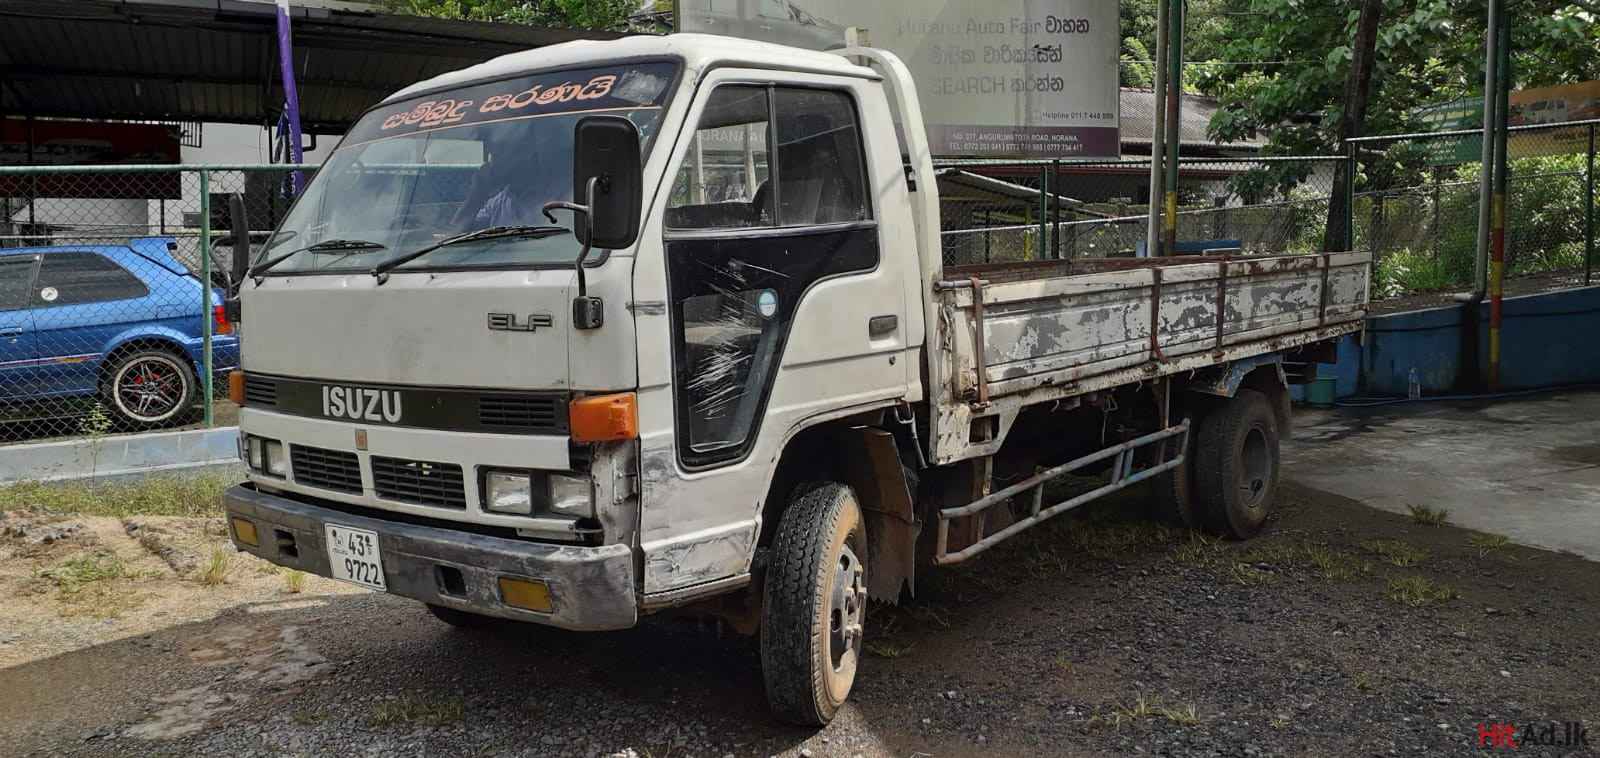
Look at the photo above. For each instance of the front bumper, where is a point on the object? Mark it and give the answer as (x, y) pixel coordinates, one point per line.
(591, 588)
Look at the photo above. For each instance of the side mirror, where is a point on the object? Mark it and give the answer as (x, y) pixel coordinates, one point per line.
(606, 151)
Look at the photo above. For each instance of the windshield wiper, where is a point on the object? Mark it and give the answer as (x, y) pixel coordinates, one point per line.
(325, 246)
(381, 270)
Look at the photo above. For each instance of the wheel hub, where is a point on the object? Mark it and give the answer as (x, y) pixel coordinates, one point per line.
(147, 388)
(1255, 467)
(847, 607)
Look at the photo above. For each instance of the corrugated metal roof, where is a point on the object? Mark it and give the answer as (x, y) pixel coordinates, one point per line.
(217, 60)
(1138, 113)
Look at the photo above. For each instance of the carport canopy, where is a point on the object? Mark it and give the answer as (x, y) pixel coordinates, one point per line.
(217, 60)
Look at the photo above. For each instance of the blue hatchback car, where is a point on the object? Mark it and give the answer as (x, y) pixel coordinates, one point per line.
(121, 324)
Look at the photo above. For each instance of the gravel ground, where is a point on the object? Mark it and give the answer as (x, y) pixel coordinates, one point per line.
(1090, 636)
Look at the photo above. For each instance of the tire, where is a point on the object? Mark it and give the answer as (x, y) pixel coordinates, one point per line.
(149, 388)
(1172, 495)
(814, 605)
(462, 619)
(1236, 465)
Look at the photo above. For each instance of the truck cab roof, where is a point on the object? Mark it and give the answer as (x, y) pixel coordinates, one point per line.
(697, 51)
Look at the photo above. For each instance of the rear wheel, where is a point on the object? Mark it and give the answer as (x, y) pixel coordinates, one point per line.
(149, 388)
(1172, 493)
(814, 605)
(1236, 465)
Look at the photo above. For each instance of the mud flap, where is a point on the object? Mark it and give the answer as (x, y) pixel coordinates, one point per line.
(871, 464)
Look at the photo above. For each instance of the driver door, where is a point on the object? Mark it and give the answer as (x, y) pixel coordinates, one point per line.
(782, 306)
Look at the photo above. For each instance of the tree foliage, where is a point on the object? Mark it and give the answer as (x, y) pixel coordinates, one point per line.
(574, 14)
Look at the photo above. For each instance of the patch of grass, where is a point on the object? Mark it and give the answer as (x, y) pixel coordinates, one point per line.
(1334, 564)
(1464, 628)
(888, 649)
(82, 570)
(307, 717)
(928, 613)
(294, 580)
(1278, 723)
(1062, 664)
(1200, 550)
(90, 585)
(410, 710)
(1486, 542)
(217, 568)
(1397, 553)
(193, 495)
(1247, 574)
(1364, 680)
(1116, 713)
(1420, 591)
(1422, 515)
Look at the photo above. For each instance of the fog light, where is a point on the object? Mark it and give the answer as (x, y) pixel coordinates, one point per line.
(507, 492)
(244, 531)
(571, 495)
(277, 462)
(521, 593)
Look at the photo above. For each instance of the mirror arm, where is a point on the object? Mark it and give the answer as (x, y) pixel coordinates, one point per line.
(587, 219)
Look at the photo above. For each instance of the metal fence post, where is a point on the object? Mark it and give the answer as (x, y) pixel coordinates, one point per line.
(1588, 213)
(1055, 209)
(205, 295)
(1044, 210)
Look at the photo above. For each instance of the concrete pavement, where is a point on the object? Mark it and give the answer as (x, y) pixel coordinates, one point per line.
(1528, 468)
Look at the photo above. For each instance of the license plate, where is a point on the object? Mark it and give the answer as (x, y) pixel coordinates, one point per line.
(353, 556)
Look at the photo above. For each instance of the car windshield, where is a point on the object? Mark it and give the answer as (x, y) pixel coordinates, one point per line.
(418, 171)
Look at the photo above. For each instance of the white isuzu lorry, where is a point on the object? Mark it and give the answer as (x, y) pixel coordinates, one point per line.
(594, 331)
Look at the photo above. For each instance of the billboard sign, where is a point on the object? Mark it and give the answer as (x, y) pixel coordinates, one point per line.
(997, 78)
(1540, 106)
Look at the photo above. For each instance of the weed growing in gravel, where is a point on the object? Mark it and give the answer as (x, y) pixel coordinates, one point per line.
(409, 710)
(1063, 665)
(1420, 591)
(1116, 713)
(1364, 680)
(217, 569)
(1486, 542)
(1278, 723)
(888, 649)
(1397, 553)
(1465, 630)
(87, 585)
(1247, 574)
(294, 580)
(928, 613)
(1422, 515)
(1199, 551)
(1334, 564)
(306, 717)
(197, 494)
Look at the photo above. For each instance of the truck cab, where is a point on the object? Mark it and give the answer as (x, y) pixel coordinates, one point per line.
(607, 328)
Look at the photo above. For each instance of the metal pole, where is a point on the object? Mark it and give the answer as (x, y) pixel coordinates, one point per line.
(1174, 96)
(1497, 259)
(1044, 213)
(1491, 83)
(1588, 214)
(205, 295)
(1158, 124)
(1055, 209)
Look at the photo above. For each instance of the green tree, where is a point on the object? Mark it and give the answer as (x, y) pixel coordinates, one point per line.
(575, 14)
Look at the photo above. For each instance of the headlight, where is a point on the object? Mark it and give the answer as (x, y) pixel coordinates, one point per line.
(571, 495)
(277, 462)
(253, 454)
(507, 492)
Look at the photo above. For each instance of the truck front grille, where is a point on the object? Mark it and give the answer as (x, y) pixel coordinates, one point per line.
(543, 414)
(419, 482)
(334, 470)
(260, 391)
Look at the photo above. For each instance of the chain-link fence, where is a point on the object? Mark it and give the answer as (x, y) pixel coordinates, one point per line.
(105, 325)
(1417, 208)
(995, 211)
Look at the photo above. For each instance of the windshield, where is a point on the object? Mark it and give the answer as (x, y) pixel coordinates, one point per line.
(416, 172)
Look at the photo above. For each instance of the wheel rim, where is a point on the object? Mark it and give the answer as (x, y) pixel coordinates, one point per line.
(150, 389)
(1255, 467)
(847, 606)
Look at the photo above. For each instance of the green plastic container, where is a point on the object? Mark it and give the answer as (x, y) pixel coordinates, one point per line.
(1319, 392)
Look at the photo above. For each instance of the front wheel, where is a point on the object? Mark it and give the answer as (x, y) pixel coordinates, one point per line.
(149, 388)
(814, 603)
(1236, 465)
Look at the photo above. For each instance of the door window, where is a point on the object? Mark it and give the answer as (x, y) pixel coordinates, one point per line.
(16, 279)
(83, 277)
(734, 296)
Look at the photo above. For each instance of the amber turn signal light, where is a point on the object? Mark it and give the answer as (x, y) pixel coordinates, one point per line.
(603, 418)
(236, 387)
